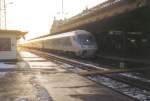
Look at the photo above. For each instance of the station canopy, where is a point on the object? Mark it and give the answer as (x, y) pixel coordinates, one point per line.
(18, 33)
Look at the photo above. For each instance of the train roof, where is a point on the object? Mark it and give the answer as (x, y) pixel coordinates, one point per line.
(66, 34)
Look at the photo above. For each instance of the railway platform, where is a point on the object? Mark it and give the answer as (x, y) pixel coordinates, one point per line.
(37, 79)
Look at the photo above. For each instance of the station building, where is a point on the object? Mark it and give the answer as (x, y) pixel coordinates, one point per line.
(8, 44)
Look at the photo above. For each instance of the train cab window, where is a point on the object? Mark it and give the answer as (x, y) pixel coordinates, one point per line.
(86, 39)
(5, 44)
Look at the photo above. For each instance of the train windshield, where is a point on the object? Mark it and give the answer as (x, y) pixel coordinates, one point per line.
(86, 39)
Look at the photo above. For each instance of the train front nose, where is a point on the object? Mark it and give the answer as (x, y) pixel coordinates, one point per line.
(88, 53)
(84, 53)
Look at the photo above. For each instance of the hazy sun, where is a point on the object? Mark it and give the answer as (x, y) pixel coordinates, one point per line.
(36, 16)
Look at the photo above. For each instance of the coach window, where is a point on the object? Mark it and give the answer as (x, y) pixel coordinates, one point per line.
(5, 44)
(67, 41)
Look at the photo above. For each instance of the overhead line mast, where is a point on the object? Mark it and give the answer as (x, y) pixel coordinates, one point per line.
(5, 14)
(62, 5)
(3, 23)
(0, 13)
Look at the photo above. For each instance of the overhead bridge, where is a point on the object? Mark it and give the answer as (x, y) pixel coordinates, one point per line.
(125, 15)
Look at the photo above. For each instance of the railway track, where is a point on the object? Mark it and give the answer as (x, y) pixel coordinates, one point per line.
(145, 85)
(75, 63)
(132, 87)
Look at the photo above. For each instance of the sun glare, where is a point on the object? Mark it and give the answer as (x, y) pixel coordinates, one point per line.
(36, 16)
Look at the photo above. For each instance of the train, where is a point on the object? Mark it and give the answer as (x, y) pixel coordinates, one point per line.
(80, 43)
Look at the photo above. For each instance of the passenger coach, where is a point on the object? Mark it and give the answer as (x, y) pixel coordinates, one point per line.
(79, 42)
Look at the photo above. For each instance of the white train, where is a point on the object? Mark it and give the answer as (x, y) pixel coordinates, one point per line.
(78, 42)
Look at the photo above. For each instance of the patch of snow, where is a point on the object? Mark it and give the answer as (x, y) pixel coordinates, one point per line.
(45, 65)
(2, 74)
(135, 77)
(42, 93)
(7, 66)
(21, 99)
(126, 89)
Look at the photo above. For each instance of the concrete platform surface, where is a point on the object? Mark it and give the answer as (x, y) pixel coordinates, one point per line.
(72, 87)
(54, 84)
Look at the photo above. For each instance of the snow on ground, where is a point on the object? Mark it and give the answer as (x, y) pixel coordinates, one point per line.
(42, 93)
(126, 89)
(2, 74)
(7, 66)
(21, 99)
(134, 76)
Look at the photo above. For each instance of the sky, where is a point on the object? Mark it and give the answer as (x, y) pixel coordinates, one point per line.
(36, 16)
